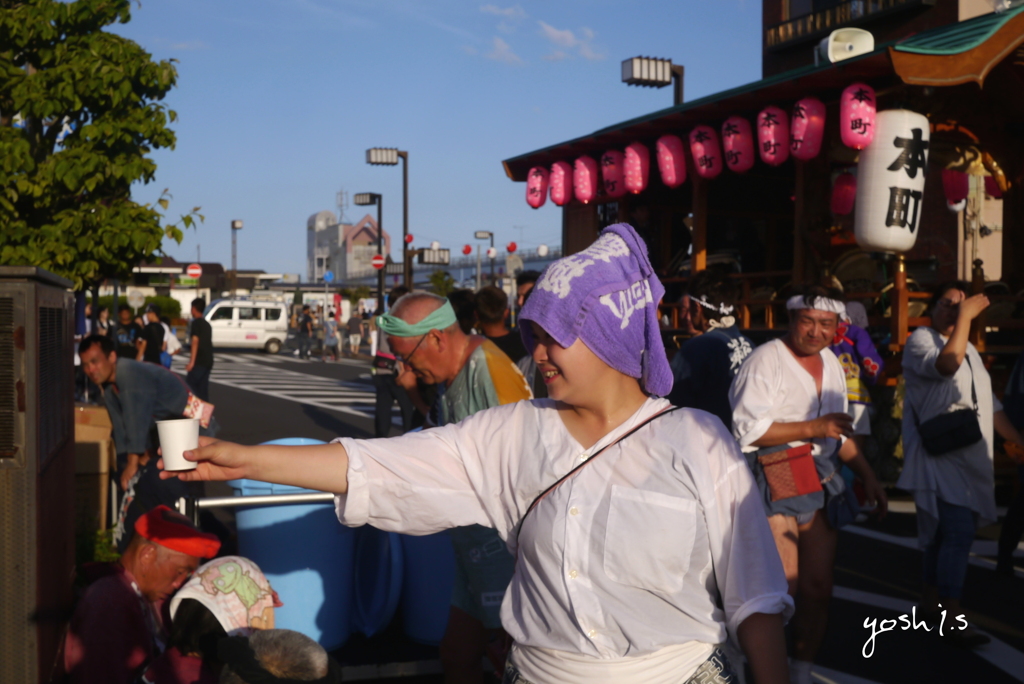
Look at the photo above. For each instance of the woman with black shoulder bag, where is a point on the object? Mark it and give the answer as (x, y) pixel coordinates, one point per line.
(948, 417)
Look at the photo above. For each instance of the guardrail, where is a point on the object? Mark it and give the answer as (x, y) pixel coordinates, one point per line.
(190, 506)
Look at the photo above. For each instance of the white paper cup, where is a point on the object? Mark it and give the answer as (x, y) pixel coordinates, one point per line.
(178, 436)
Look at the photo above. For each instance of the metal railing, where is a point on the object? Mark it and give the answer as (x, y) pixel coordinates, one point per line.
(190, 506)
(824, 21)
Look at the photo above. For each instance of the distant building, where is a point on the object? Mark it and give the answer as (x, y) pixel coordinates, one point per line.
(344, 248)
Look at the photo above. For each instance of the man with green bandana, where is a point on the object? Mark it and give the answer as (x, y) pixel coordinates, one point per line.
(472, 375)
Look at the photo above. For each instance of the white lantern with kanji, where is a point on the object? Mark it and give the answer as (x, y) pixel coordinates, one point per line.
(890, 182)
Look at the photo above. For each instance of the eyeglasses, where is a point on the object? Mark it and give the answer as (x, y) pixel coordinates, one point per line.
(405, 359)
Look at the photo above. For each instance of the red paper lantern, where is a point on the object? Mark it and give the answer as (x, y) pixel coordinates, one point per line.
(638, 167)
(467, 250)
(955, 185)
(738, 141)
(844, 194)
(773, 136)
(560, 182)
(992, 187)
(671, 160)
(857, 116)
(807, 128)
(584, 179)
(408, 238)
(511, 247)
(613, 173)
(537, 186)
(707, 156)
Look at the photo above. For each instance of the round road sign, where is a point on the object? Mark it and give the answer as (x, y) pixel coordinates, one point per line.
(377, 261)
(194, 271)
(136, 299)
(328, 276)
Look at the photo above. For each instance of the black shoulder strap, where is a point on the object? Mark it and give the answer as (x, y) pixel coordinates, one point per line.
(579, 467)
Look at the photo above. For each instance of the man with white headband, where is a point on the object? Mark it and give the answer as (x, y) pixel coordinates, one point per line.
(705, 365)
(474, 375)
(790, 416)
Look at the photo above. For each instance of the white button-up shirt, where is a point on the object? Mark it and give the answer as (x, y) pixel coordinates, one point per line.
(624, 558)
(772, 387)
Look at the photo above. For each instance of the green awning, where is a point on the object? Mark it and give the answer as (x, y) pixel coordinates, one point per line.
(957, 38)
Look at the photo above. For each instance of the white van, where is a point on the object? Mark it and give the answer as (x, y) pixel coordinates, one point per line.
(247, 323)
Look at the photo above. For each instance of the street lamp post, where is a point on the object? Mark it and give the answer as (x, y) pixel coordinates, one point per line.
(389, 156)
(652, 72)
(484, 235)
(236, 226)
(366, 199)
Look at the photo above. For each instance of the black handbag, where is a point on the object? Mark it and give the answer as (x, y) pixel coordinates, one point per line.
(948, 432)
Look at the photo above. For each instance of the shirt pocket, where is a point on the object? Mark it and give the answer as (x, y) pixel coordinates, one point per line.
(649, 539)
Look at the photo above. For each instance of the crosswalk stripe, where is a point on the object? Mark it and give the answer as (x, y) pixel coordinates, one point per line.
(247, 373)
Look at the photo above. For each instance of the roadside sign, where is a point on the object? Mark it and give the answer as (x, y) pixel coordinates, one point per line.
(136, 299)
(328, 276)
(194, 271)
(377, 261)
(440, 257)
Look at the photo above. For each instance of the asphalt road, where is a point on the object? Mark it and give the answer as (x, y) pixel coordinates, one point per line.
(261, 398)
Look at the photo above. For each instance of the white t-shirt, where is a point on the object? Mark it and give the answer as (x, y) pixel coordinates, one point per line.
(962, 477)
(622, 560)
(771, 387)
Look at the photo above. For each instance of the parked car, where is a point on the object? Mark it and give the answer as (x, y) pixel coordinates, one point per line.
(246, 323)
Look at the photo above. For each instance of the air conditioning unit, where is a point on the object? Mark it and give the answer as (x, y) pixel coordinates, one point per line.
(37, 470)
(843, 44)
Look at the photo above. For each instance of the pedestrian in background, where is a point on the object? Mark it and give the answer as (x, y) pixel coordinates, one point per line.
(127, 334)
(947, 459)
(388, 391)
(103, 321)
(305, 332)
(704, 367)
(330, 338)
(355, 328)
(200, 362)
(153, 344)
(491, 311)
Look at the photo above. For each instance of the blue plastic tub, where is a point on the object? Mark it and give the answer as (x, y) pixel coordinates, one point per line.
(306, 554)
(427, 586)
(377, 581)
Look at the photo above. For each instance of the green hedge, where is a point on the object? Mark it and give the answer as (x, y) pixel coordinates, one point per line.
(169, 306)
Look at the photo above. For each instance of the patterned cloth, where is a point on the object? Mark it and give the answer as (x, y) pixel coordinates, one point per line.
(860, 360)
(235, 590)
(607, 295)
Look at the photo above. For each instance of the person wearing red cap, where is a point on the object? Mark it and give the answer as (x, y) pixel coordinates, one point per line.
(116, 628)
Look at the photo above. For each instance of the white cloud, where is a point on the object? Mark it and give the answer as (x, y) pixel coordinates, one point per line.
(566, 38)
(502, 52)
(556, 56)
(513, 12)
(469, 50)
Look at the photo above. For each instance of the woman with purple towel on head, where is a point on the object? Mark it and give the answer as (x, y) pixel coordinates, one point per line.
(640, 541)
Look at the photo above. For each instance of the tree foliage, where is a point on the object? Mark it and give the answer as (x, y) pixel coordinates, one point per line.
(442, 283)
(80, 111)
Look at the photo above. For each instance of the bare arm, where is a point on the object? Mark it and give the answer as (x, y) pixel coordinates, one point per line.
(140, 349)
(834, 425)
(762, 640)
(850, 454)
(952, 355)
(194, 354)
(323, 467)
(1006, 429)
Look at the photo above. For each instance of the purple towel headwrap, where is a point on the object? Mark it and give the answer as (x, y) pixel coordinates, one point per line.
(607, 295)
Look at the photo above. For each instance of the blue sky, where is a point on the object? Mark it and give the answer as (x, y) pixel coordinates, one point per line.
(279, 99)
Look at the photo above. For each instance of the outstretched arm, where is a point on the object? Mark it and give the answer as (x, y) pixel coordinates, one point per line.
(323, 467)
